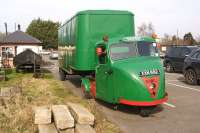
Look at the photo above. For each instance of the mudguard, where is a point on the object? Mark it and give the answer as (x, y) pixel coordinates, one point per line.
(86, 83)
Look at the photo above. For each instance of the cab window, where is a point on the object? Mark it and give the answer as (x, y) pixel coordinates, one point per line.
(196, 55)
(185, 52)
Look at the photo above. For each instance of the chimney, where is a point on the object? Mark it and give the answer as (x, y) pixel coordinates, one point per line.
(6, 27)
(19, 27)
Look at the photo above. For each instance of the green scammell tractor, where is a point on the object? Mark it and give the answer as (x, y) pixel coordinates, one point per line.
(116, 66)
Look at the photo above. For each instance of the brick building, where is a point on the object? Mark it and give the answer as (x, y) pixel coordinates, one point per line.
(16, 43)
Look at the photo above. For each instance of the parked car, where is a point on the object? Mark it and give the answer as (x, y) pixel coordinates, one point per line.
(162, 55)
(175, 56)
(54, 55)
(191, 68)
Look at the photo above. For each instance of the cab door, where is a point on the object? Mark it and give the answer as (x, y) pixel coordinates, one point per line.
(104, 87)
(180, 61)
(196, 63)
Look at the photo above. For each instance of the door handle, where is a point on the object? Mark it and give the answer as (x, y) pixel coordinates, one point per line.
(109, 72)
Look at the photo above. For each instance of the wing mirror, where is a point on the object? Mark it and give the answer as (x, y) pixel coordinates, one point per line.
(186, 55)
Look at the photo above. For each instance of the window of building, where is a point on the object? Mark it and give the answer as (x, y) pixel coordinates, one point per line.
(7, 52)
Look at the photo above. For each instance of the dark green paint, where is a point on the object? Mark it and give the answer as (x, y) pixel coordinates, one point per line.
(78, 36)
(114, 79)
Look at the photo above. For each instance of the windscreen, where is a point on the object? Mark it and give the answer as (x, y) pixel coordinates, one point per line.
(132, 49)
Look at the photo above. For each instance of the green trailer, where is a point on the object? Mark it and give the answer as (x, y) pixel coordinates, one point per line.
(78, 36)
(115, 66)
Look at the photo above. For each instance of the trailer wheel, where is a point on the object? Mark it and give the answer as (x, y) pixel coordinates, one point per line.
(84, 92)
(62, 75)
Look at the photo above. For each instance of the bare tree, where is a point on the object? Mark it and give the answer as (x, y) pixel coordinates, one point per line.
(146, 29)
(198, 38)
(151, 29)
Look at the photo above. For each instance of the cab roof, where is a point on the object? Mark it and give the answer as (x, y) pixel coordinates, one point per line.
(129, 39)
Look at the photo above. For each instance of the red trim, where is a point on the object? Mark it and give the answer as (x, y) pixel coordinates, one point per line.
(93, 88)
(137, 103)
(148, 82)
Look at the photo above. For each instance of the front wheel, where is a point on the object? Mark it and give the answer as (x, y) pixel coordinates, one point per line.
(145, 112)
(62, 75)
(191, 77)
(84, 92)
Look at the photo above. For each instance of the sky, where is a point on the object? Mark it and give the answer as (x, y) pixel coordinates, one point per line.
(167, 16)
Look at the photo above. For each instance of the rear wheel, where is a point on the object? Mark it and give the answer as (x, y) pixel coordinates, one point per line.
(191, 77)
(62, 75)
(169, 68)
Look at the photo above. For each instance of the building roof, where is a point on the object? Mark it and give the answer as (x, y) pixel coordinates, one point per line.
(20, 37)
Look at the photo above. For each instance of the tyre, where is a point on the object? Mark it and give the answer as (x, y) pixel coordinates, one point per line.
(84, 92)
(145, 112)
(191, 77)
(62, 75)
(169, 68)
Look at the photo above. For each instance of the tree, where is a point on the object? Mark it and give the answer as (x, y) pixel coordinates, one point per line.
(45, 31)
(174, 39)
(198, 39)
(188, 39)
(146, 29)
(166, 40)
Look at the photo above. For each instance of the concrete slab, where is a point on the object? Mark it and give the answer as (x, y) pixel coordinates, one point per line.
(47, 128)
(70, 130)
(81, 114)
(84, 129)
(62, 117)
(42, 115)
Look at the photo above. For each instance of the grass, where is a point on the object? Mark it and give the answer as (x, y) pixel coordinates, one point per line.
(12, 77)
(16, 115)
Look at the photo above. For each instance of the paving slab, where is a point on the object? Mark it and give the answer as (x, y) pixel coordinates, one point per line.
(84, 129)
(47, 128)
(42, 115)
(81, 114)
(70, 130)
(62, 117)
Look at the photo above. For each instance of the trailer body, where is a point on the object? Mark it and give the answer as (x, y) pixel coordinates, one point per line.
(78, 37)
